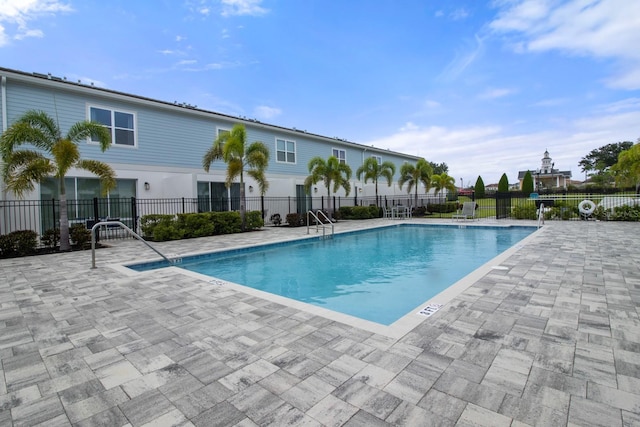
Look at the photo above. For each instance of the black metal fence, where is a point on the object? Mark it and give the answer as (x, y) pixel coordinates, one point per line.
(41, 215)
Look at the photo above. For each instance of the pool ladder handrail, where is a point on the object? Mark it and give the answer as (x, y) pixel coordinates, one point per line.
(130, 231)
(318, 222)
(541, 215)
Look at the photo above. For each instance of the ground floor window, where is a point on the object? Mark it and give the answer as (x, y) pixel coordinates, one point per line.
(81, 206)
(215, 196)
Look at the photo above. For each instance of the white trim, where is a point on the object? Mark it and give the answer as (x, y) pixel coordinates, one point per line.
(295, 151)
(113, 110)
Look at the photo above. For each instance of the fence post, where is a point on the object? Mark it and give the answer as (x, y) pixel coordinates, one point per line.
(53, 209)
(262, 207)
(183, 211)
(134, 215)
(96, 213)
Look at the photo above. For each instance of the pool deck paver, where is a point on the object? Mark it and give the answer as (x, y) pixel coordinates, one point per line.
(550, 338)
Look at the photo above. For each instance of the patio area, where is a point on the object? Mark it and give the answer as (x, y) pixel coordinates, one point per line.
(551, 337)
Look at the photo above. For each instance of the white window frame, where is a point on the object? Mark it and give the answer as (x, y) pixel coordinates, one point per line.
(378, 158)
(219, 130)
(113, 127)
(342, 160)
(286, 152)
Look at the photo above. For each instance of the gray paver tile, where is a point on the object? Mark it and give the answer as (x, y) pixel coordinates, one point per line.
(332, 411)
(587, 412)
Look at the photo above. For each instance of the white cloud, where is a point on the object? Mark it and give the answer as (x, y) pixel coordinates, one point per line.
(459, 14)
(597, 28)
(490, 151)
(242, 7)
(463, 60)
(496, 93)
(18, 13)
(266, 113)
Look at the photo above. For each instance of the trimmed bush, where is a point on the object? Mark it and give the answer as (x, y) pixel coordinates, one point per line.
(18, 243)
(448, 207)
(50, 238)
(226, 222)
(148, 223)
(164, 231)
(253, 220)
(195, 225)
(526, 211)
(294, 220)
(79, 235)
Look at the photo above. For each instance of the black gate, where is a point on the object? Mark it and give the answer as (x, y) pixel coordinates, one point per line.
(503, 205)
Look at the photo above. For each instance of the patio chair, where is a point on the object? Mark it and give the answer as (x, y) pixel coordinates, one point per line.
(468, 211)
(387, 213)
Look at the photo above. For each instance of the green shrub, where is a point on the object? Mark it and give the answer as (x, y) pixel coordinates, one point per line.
(148, 223)
(346, 212)
(226, 222)
(79, 235)
(526, 211)
(419, 211)
(195, 225)
(294, 219)
(164, 231)
(364, 212)
(50, 237)
(443, 207)
(625, 213)
(253, 220)
(18, 243)
(7, 245)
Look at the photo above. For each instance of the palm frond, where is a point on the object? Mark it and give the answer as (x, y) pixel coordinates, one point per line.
(102, 170)
(87, 129)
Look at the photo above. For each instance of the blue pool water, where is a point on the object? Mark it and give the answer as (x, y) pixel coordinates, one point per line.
(377, 275)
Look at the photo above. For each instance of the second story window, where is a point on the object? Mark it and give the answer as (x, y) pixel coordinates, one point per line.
(340, 154)
(285, 151)
(378, 159)
(121, 125)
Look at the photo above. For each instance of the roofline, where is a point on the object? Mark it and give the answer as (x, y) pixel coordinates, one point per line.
(48, 80)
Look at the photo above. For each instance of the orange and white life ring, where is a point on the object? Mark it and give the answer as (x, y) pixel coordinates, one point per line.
(586, 207)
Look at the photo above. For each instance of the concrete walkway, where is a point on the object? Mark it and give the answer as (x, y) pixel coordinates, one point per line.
(550, 338)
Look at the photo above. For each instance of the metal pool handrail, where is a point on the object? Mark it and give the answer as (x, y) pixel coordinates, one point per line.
(541, 214)
(318, 222)
(133, 233)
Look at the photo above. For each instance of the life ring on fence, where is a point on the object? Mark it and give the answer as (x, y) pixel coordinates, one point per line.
(586, 207)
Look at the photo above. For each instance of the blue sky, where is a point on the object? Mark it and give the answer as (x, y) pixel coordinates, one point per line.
(484, 86)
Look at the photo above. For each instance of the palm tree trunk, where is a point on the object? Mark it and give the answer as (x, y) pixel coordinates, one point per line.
(242, 204)
(65, 245)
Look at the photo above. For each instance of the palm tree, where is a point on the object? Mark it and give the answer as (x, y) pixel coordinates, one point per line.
(24, 167)
(414, 175)
(231, 147)
(443, 182)
(329, 171)
(374, 171)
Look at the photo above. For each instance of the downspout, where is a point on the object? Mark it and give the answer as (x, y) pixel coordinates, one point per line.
(3, 96)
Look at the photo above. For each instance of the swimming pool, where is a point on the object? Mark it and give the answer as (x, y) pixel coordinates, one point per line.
(377, 275)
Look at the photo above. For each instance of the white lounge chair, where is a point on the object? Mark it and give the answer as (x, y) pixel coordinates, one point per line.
(468, 211)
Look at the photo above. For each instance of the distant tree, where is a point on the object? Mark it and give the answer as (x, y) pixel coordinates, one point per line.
(439, 169)
(22, 168)
(627, 169)
(232, 148)
(479, 188)
(372, 170)
(414, 175)
(527, 183)
(443, 181)
(503, 184)
(330, 171)
(597, 163)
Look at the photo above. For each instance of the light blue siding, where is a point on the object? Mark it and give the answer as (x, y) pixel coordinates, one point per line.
(172, 136)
